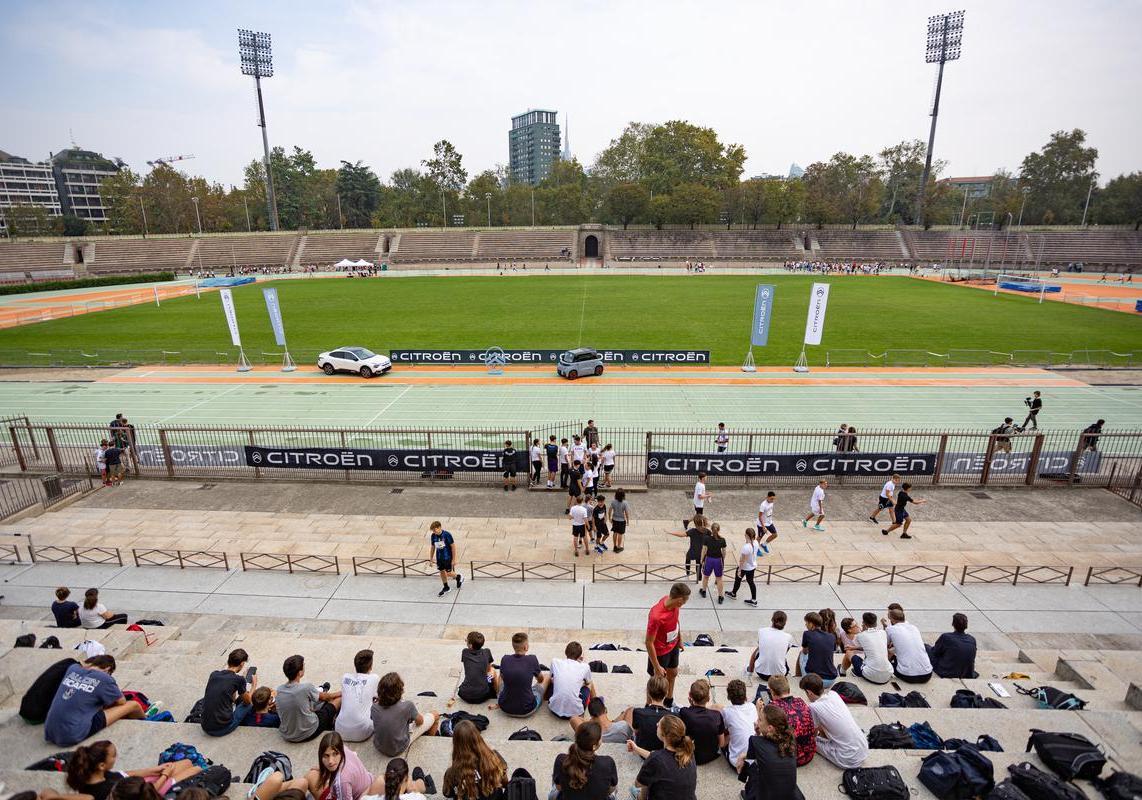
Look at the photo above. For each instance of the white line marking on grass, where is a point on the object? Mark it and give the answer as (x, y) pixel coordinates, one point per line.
(202, 402)
(582, 313)
(389, 405)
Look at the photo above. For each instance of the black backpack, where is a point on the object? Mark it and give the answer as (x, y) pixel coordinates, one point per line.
(279, 762)
(983, 742)
(891, 700)
(1050, 697)
(51, 643)
(1120, 786)
(623, 668)
(1006, 790)
(893, 736)
(916, 700)
(26, 640)
(598, 666)
(850, 693)
(1068, 755)
(966, 698)
(38, 699)
(703, 640)
(957, 776)
(525, 734)
(195, 714)
(215, 779)
(449, 722)
(521, 786)
(53, 763)
(1039, 785)
(874, 783)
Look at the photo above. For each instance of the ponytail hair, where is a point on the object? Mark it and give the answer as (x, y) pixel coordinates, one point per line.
(83, 763)
(134, 788)
(674, 736)
(581, 757)
(90, 599)
(396, 773)
(750, 534)
(781, 735)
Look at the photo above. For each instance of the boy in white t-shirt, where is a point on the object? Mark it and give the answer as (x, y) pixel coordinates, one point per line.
(765, 521)
(839, 738)
(700, 494)
(817, 506)
(887, 497)
(741, 723)
(358, 689)
(722, 438)
(912, 664)
(578, 514)
(571, 684)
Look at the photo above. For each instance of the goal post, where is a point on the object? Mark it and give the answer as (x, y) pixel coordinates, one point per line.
(1025, 284)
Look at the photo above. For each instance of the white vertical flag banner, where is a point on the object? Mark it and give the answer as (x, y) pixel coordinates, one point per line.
(815, 324)
(231, 318)
(275, 312)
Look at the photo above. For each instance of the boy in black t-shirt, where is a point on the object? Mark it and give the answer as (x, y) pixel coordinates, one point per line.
(574, 484)
(704, 725)
(480, 681)
(644, 721)
(900, 514)
(599, 530)
(508, 462)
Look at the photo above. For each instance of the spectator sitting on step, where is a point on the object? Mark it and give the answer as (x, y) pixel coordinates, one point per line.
(481, 683)
(953, 654)
(65, 611)
(704, 725)
(872, 662)
(800, 718)
(358, 688)
(644, 721)
(396, 722)
(87, 701)
(772, 774)
(741, 721)
(773, 646)
(910, 658)
(93, 615)
(571, 684)
(339, 774)
(262, 713)
(91, 771)
(668, 773)
(520, 697)
(839, 738)
(817, 648)
(399, 785)
(614, 731)
(477, 771)
(305, 710)
(226, 701)
(582, 774)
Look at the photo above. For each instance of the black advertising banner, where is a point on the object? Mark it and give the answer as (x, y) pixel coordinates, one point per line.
(353, 458)
(781, 464)
(474, 356)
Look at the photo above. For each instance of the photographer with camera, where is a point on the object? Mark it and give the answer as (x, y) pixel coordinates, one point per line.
(1034, 405)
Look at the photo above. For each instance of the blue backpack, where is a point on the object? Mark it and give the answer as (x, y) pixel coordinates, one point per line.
(924, 737)
(178, 751)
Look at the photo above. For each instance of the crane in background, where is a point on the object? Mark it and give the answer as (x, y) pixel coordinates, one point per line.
(167, 160)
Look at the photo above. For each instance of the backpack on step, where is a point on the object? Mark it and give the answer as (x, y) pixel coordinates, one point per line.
(850, 693)
(966, 698)
(874, 783)
(703, 640)
(891, 700)
(983, 742)
(916, 700)
(924, 737)
(279, 762)
(448, 722)
(25, 640)
(53, 763)
(958, 775)
(1039, 785)
(1050, 697)
(1006, 790)
(38, 699)
(1068, 755)
(525, 734)
(1120, 786)
(521, 786)
(891, 736)
(179, 751)
(215, 780)
(598, 666)
(51, 643)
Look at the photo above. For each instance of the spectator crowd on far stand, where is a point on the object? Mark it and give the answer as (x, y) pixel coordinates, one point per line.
(845, 267)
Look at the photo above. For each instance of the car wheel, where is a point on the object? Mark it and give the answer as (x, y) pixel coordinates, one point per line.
(328, 369)
(573, 374)
(599, 370)
(366, 372)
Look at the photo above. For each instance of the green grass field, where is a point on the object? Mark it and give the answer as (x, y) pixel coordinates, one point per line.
(708, 312)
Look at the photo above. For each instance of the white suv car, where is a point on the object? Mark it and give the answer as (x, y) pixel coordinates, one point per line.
(360, 360)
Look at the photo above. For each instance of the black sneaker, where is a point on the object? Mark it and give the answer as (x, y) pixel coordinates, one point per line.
(882, 530)
(721, 600)
(445, 589)
(429, 784)
(905, 536)
(750, 602)
(702, 592)
(731, 595)
(459, 580)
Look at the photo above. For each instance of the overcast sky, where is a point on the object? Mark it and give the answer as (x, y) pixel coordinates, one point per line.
(381, 80)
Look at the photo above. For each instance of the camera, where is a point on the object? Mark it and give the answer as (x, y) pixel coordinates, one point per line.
(1027, 401)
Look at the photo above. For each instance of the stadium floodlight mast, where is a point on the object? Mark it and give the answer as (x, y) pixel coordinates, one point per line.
(945, 36)
(255, 50)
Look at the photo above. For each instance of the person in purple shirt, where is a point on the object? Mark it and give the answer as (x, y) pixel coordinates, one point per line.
(87, 701)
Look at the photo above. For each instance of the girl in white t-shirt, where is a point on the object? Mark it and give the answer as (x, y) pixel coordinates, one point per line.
(94, 615)
(747, 563)
(608, 458)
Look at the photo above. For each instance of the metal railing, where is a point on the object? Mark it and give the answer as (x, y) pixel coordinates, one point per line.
(982, 358)
(24, 493)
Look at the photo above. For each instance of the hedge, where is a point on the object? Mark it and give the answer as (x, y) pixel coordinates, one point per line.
(83, 283)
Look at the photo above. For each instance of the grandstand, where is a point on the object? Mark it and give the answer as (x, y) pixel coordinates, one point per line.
(658, 245)
(328, 247)
(35, 261)
(427, 246)
(113, 256)
(510, 243)
(757, 245)
(268, 249)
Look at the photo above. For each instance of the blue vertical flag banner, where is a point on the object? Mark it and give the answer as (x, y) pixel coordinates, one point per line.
(275, 312)
(762, 311)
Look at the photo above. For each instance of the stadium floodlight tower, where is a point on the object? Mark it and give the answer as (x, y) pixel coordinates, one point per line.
(945, 35)
(258, 60)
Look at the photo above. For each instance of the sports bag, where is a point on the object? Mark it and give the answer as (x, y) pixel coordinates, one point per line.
(916, 700)
(892, 736)
(1068, 755)
(521, 786)
(598, 666)
(623, 668)
(1120, 786)
(525, 734)
(1006, 790)
(25, 640)
(279, 762)
(959, 775)
(1050, 697)
(51, 643)
(449, 722)
(983, 742)
(874, 783)
(891, 700)
(53, 763)
(924, 737)
(196, 710)
(1039, 785)
(38, 699)
(179, 751)
(215, 780)
(850, 693)
(966, 698)
(703, 640)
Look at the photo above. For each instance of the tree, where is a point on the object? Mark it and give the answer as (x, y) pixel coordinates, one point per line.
(902, 166)
(846, 188)
(751, 200)
(72, 225)
(1120, 202)
(693, 204)
(659, 210)
(784, 200)
(359, 189)
(478, 207)
(561, 198)
(445, 168)
(621, 160)
(1059, 177)
(679, 152)
(1004, 197)
(25, 219)
(818, 193)
(626, 202)
(121, 194)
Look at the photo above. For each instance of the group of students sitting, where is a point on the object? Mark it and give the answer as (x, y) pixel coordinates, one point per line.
(92, 615)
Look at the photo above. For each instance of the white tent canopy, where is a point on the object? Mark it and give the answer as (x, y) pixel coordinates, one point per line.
(362, 263)
(346, 263)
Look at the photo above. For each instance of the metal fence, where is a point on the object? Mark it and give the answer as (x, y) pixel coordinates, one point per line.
(1103, 359)
(23, 493)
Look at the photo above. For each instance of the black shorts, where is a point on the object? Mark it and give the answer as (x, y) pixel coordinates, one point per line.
(579, 531)
(574, 491)
(444, 564)
(608, 468)
(509, 473)
(619, 527)
(601, 530)
(900, 515)
(883, 502)
(668, 661)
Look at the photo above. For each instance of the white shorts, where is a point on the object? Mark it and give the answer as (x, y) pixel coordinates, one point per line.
(816, 509)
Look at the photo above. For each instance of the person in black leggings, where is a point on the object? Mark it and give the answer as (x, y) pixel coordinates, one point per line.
(696, 533)
(747, 563)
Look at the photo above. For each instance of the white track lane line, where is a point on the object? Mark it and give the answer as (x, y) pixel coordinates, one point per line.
(203, 402)
(388, 405)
